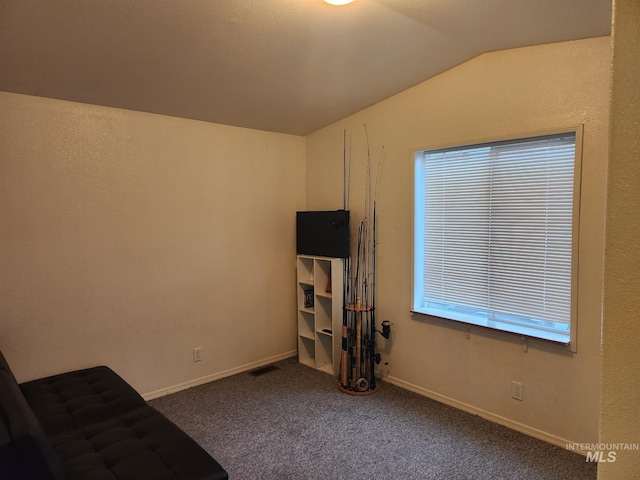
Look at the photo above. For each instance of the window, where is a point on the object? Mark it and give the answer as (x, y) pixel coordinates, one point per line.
(495, 234)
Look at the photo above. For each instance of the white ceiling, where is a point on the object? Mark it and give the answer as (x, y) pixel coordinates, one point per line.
(289, 66)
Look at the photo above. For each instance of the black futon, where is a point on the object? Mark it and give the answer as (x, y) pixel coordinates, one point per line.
(91, 425)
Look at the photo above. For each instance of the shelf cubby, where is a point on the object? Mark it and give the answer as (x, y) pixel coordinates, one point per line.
(306, 324)
(307, 351)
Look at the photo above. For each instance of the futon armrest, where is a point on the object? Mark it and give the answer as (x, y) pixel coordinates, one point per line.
(25, 450)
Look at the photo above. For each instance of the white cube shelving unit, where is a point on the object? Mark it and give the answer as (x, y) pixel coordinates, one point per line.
(320, 305)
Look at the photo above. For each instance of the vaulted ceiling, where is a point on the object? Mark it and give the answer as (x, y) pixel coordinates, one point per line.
(290, 66)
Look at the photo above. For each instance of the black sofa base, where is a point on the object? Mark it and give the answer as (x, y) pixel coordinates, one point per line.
(91, 425)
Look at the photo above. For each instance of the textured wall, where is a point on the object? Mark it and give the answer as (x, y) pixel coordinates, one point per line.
(128, 239)
(514, 92)
(620, 419)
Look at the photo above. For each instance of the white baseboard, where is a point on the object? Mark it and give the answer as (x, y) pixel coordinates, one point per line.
(519, 427)
(217, 376)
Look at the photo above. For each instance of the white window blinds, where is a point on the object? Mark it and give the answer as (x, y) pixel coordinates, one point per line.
(494, 237)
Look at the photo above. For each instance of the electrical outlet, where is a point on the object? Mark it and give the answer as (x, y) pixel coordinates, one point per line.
(197, 354)
(517, 390)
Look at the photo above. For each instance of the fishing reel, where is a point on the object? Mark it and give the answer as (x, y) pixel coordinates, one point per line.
(386, 329)
(362, 385)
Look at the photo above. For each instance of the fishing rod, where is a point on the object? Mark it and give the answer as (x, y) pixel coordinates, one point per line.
(372, 338)
(358, 356)
(346, 272)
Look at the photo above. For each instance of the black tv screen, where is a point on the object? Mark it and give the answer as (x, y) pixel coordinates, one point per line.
(323, 233)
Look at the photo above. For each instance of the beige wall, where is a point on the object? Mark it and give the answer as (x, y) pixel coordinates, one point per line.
(127, 239)
(620, 419)
(515, 92)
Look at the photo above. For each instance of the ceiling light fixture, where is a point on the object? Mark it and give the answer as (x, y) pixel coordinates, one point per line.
(338, 2)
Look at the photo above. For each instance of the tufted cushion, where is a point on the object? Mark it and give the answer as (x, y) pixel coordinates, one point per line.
(102, 429)
(79, 399)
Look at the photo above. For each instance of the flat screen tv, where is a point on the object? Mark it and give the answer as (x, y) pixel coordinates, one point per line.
(323, 233)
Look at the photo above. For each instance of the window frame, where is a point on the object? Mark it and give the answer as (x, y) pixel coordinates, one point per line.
(418, 231)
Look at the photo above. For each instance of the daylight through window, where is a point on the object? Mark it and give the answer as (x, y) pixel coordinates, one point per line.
(495, 234)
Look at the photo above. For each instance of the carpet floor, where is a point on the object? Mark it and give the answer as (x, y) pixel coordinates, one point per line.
(292, 423)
